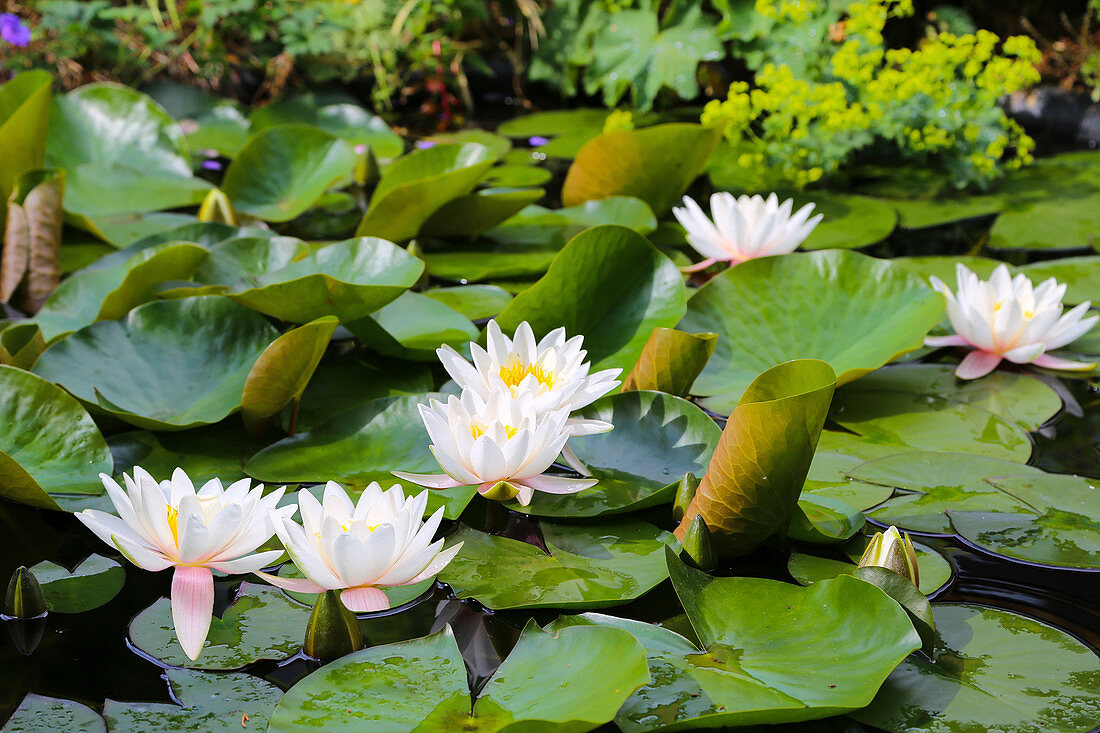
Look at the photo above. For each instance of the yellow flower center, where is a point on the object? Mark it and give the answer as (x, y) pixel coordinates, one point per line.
(477, 431)
(516, 371)
(173, 522)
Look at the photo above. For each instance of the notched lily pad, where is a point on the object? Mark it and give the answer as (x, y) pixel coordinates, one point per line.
(94, 582)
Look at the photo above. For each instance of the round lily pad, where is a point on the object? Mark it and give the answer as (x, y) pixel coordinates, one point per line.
(536, 226)
(168, 365)
(593, 566)
(213, 451)
(853, 311)
(95, 581)
(336, 115)
(657, 439)
(994, 670)
(473, 301)
(40, 714)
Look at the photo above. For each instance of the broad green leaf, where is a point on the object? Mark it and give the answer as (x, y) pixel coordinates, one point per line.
(347, 279)
(824, 520)
(751, 487)
(95, 581)
(336, 116)
(1053, 204)
(853, 311)
(122, 230)
(850, 221)
(670, 361)
(569, 129)
(657, 439)
(100, 195)
(29, 264)
(995, 670)
(204, 234)
(282, 171)
(282, 372)
(208, 702)
(594, 566)
(418, 184)
(1080, 274)
(516, 175)
(168, 365)
(499, 144)
(260, 623)
(412, 327)
(608, 284)
(542, 228)
(40, 714)
(828, 477)
(24, 116)
(935, 570)
(421, 685)
(655, 164)
(48, 443)
(774, 652)
(487, 263)
(472, 301)
(943, 267)
(241, 261)
(902, 590)
(214, 451)
(472, 214)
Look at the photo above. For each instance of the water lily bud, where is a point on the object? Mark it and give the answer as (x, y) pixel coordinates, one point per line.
(332, 631)
(217, 208)
(894, 551)
(697, 544)
(685, 492)
(24, 598)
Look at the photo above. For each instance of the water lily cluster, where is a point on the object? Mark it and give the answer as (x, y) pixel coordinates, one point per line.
(513, 417)
(381, 540)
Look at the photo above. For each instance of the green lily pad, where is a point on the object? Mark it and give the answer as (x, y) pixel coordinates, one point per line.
(671, 361)
(348, 279)
(412, 327)
(609, 284)
(1080, 274)
(222, 128)
(924, 197)
(774, 652)
(216, 451)
(536, 226)
(824, 520)
(48, 443)
(864, 312)
(98, 196)
(335, 115)
(655, 164)
(1061, 529)
(828, 477)
(499, 144)
(282, 171)
(472, 214)
(208, 701)
(935, 570)
(517, 175)
(594, 566)
(943, 267)
(261, 623)
(418, 184)
(657, 439)
(41, 714)
(240, 261)
(569, 130)
(851, 221)
(421, 685)
(168, 365)
(485, 263)
(995, 670)
(24, 112)
(95, 581)
(472, 301)
(122, 230)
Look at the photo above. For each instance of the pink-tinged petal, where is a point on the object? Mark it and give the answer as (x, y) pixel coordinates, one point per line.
(940, 341)
(248, 563)
(524, 495)
(1053, 362)
(428, 480)
(365, 599)
(977, 364)
(294, 585)
(192, 606)
(559, 485)
(698, 266)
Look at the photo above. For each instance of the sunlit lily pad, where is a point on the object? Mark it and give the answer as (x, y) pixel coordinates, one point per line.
(99, 195)
(421, 685)
(828, 477)
(995, 670)
(95, 581)
(853, 311)
(536, 226)
(412, 327)
(336, 115)
(48, 443)
(40, 714)
(657, 439)
(168, 365)
(609, 284)
(593, 566)
(473, 301)
(261, 623)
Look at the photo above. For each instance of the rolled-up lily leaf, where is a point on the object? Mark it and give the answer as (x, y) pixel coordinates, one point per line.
(670, 361)
(30, 268)
(751, 487)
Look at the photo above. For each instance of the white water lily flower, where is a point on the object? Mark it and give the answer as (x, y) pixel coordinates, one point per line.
(744, 228)
(502, 444)
(553, 370)
(382, 540)
(169, 524)
(1008, 318)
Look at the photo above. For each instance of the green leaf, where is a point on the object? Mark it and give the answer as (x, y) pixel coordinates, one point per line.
(94, 582)
(282, 171)
(418, 184)
(670, 361)
(996, 670)
(40, 714)
(472, 301)
(1080, 274)
(168, 365)
(853, 311)
(570, 129)
(261, 623)
(412, 327)
(657, 439)
(595, 566)
(474, 213)
(216, 451)
(335, 116)
(24, 115)
(655, 164)
(774, 652)
(609, 284)
(828, 477)
(348, 279)
(100, 195)
(122, 230)
(208, 702)
(935, 570)
(902, 590)
(21, 344)
(48, 443)
(824, 520)
(850, 221)
(421, 685)
(539, 227)
(282, 372)
(751, 487)
(1051, 205)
